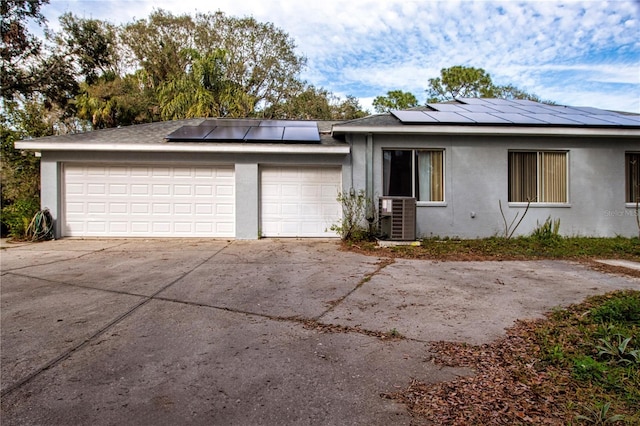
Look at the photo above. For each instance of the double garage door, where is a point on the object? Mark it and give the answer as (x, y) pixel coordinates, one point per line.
(157, 201)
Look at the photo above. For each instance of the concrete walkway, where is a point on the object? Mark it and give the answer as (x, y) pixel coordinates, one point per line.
(246, 332)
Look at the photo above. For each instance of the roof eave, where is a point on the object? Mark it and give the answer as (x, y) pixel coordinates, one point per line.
(223, 148)
(491, 130)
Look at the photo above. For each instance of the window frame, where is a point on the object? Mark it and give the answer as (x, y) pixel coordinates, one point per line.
(414, 157)
(539, 178)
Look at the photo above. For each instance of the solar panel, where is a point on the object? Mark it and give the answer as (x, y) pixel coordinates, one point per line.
(444, 107)
(534, 109)
(476, 101)
(626, 120)
(551, 118)
(231, 122)
(190, 133)
(267, 133)
(413, 117)
(301, 134)
(288, 123)
(517, 118)
(228, 133)
(477, 108)
(590, 120)
(484, 118)
(448, 117)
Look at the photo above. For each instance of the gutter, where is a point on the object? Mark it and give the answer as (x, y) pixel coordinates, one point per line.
(491, 130)
(225, 148)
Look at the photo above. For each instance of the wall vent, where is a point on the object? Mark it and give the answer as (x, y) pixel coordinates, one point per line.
(398, 218)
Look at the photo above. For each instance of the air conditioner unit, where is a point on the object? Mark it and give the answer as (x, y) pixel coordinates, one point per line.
(398, 218)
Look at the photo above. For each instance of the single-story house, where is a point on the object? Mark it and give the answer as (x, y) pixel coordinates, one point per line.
(463, 164)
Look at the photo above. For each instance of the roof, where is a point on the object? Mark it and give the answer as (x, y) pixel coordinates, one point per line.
(497, 116)
(153, 137)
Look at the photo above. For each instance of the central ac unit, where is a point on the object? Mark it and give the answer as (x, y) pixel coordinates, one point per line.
(398, 218)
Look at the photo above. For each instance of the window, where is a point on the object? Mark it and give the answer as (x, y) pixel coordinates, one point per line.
(538, 177)
(414, 173)
(632, 176)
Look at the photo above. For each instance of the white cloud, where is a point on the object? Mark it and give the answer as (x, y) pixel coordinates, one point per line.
(359, 47)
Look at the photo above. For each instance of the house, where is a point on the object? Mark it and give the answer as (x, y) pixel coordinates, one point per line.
(464, 162)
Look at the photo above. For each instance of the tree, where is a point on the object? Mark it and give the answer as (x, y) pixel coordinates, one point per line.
(113, 101)
(204, 90)
(469, 82)
(89, 43)
(395, 99)
(348, 109)
(19, 47)
(460, 82)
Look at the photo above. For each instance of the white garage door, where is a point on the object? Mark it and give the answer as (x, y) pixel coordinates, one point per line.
(300, 202)
(149, 201)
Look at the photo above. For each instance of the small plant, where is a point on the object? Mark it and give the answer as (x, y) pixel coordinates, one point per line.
(509, 229)
(548, 231)
(599, 415)
(618, 351)
(587, 369)
(394, 333)
(355, 210)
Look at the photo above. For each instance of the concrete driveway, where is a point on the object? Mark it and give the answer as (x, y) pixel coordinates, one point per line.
(246, 332)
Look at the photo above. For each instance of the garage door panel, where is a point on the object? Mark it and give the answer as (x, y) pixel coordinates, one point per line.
(299, 202)
(149, 201)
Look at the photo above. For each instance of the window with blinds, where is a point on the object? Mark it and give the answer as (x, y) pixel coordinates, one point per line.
(632, 176)
(414, 173)
(538, 177)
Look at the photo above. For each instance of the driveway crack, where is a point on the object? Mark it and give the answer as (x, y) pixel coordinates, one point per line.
(11, 388)
(382, 263)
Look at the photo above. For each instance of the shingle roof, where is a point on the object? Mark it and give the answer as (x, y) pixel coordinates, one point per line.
(152, 133)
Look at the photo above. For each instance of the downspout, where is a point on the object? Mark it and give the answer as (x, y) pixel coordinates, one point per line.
(369, 179)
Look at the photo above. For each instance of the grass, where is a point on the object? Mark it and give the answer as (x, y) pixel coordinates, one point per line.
(579, 366)
(522, 248)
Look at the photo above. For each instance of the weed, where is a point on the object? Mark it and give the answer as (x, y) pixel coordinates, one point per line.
(588, 369)
(617, 350)
(548, 232)
(599, 415)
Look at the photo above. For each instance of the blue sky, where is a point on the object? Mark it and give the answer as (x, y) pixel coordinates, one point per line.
(579, 53)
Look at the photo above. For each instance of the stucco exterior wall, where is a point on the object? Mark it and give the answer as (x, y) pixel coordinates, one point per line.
(476, 172)
(247, 176)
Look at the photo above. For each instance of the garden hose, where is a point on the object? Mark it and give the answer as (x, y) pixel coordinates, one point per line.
(41, 226)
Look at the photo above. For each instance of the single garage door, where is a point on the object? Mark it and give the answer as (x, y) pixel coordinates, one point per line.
(300, 202)
(148, 201)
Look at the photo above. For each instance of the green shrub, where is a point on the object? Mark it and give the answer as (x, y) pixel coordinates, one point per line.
(625, 309)
(356, 210)
(18, 215)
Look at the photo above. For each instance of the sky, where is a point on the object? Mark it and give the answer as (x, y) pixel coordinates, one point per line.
(578, 53)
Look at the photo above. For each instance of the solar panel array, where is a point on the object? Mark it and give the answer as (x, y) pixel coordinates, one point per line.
(472, 111)
(247, 130)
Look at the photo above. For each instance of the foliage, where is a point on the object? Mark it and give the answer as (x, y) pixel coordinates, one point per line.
(460, 82)
(18, 45)
(469, 82)
(543, 372)
(395, 99)
(90, 44)
(355, 208)
(548, 231)
(500, 248)
(204, 90)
